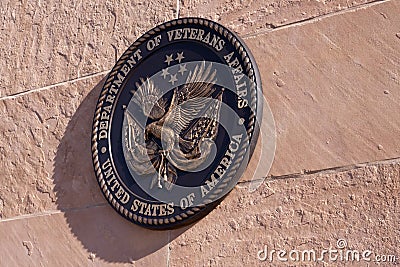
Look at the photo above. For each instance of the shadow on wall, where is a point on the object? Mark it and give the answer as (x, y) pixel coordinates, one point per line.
(95, 224)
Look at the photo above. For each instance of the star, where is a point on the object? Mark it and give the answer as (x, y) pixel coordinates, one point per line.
(182, 69)
(169, 59)
(173, 79)
(179, 57)
(165, 73)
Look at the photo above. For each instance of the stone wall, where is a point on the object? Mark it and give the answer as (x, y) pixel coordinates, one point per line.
(330, 72)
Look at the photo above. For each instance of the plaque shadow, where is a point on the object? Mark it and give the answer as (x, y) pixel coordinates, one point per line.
(99, 228)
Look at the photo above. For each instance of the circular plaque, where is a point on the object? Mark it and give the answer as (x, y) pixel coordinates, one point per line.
(176, 123)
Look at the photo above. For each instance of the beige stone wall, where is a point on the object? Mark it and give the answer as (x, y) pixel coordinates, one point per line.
(330, 72)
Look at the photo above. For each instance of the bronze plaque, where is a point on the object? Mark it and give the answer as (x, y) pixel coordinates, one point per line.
(176, 123)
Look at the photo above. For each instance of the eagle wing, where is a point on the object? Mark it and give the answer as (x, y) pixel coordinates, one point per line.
(194, 115)
(198, 140)
(190, 101)
(205, 127)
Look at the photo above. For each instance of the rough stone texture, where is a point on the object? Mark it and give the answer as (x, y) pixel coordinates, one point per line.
(49, 183)
(333, 86)
(46, 42)
(38, 49)
(45, 147)
(336, 108)
(334, 89)
(361, 206)
(249, 17)
(93, 236)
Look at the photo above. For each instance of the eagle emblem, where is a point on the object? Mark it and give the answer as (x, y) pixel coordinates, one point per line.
(180, 131)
